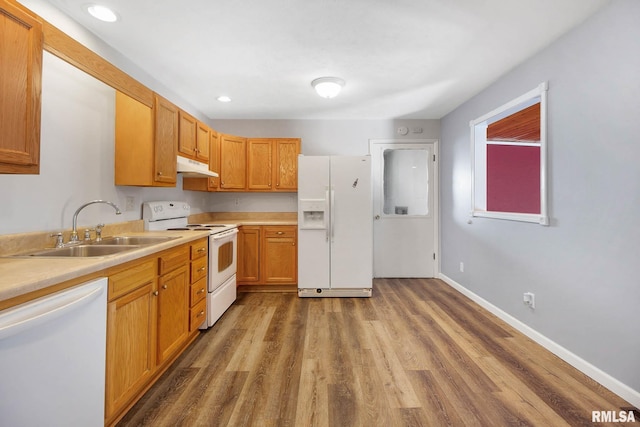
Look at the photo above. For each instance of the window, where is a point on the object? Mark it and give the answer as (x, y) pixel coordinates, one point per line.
(406, 181)
(508, 147)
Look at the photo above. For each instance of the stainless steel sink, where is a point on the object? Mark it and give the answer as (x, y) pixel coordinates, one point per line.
(132, 240)
(84, 251)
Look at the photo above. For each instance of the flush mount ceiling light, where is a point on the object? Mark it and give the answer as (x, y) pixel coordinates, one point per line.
(102, 13)
(223, 98)
(328, 87)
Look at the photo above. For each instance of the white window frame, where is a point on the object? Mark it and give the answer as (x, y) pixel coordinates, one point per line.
(479, 170)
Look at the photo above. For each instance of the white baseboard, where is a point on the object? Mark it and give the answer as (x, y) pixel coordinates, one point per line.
(616, 386)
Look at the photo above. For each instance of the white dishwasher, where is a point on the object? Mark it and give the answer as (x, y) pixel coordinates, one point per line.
(52, 359)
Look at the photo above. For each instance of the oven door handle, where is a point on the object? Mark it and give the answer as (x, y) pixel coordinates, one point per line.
(224, 234)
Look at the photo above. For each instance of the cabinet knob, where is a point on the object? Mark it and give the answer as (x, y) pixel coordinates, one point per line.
(279, 232)
(201, 250)
(202, 269)
(200, 314)
(160, 173)
(200, 291)
(164, 286)
(155, 293)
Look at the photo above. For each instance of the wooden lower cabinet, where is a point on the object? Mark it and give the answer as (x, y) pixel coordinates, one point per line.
(148, 317)
(173, 312)
(267, 255)
(279, 261)
(248, 268)
(198, 283)
(131, 333)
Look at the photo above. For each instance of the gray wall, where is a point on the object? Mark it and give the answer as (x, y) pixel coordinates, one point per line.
(319, 137)
(583, 268)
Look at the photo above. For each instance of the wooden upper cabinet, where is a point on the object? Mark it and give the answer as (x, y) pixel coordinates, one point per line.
(193, 141)
(21, 42)
(233, 162)
(259, 164)
(187, 131)
(166, 141)
(214, 158)
(286, 153)
(202, 142)
(272, 164)
(146, 142)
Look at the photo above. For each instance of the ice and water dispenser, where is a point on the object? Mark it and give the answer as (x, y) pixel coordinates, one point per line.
(313, 213)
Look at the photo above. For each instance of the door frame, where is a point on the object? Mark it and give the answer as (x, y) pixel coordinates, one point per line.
(436, 188)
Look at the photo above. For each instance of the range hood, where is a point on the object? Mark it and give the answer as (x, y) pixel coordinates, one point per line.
(194, 169)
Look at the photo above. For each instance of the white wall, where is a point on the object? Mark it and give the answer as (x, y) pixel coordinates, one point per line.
(77, 160)
(77, 148)
(583, 268)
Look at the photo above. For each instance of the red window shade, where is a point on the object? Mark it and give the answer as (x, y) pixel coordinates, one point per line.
(513, 178)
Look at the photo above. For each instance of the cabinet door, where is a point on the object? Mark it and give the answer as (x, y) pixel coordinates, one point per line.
(286, 164)
(173, 312)
(279, 255)
(20, 92)
(187, 135)
(248, 254)
(214, 159)
(259, 160)
(202, 143)
(233, 162)
(166, 140)
(134, 145)
(131, 334)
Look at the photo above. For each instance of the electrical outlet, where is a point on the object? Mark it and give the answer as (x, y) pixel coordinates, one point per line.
(529, 298)
(129, 204)
(461, 267)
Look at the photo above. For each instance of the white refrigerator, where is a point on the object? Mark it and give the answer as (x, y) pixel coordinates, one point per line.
(335, 226)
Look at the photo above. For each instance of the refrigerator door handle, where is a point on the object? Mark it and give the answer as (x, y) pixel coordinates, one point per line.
(327, 222)
(333, 211)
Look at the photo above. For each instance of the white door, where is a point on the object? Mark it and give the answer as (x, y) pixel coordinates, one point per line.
(351, 222)
(405, 207)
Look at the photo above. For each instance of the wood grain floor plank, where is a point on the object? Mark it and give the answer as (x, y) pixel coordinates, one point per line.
(417, 353)
(313, 409)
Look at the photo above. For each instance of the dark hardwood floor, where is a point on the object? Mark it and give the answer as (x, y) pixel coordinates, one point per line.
(417, 353)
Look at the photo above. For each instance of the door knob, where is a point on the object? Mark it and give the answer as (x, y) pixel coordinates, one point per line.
(377, 216)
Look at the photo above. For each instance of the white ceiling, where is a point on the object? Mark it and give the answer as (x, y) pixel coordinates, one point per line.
(400, 59)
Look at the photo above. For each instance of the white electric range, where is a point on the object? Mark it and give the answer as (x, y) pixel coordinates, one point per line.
(221, 282)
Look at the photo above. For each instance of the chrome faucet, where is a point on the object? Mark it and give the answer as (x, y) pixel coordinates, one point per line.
(74, 231)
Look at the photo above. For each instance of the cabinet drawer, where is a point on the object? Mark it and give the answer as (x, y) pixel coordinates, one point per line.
(173, 259)
(281, 231)
(131, 278)
(198, 291)
(199, 249)
(199, 269)
(198, 314)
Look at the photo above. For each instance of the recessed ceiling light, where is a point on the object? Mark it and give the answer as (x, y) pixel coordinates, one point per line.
(102, 13)
(223, 98)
